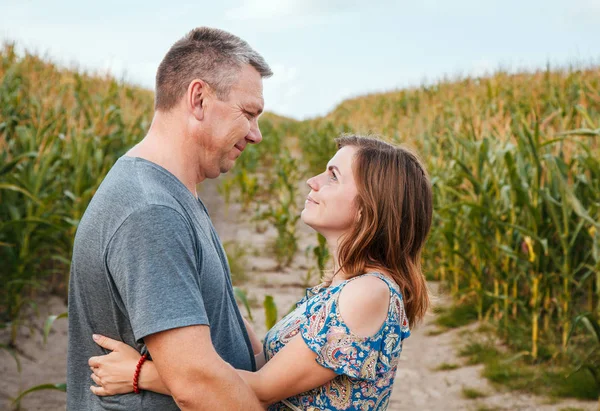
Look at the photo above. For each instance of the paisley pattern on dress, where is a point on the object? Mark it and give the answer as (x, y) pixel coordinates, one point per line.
(366, 366)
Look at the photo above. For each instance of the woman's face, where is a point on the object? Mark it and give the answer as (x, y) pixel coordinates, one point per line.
(329, 207)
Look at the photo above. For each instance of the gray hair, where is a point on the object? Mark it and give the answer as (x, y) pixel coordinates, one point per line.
(212, 55)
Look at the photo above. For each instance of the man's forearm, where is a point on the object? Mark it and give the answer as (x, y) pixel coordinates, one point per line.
(224, 389)
(194, 373)
(150, 381)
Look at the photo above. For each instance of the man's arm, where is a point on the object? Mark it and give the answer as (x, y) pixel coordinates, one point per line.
(196, 376)
(153, 262)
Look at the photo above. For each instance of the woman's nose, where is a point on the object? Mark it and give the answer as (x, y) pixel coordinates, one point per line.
(312, 183)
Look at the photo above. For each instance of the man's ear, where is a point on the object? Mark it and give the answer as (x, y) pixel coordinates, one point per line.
(196, 98)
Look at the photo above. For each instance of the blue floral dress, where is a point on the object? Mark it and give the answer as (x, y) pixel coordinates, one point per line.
(366, 365)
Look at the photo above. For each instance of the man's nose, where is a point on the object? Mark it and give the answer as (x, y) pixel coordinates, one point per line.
(254, 136)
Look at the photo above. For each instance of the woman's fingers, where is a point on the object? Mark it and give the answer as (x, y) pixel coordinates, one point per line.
(94, 362)
(106, 342)
(96, 380)
(99, 391)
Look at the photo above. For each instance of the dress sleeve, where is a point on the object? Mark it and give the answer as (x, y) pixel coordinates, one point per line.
(338, 349)
(309, 293)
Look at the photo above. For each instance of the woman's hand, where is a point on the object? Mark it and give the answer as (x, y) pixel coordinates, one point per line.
(113, 373)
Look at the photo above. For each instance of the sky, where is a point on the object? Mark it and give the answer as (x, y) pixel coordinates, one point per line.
(321, 51)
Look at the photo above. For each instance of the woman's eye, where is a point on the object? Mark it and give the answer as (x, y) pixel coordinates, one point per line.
(332, 177)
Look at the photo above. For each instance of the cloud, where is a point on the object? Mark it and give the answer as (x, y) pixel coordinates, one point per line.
(584, 12)
(285, 14)
(263, 9)
(483, 67)
(282, 89)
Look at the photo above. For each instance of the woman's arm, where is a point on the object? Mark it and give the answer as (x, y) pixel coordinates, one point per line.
(294, 369)
(291, 371)
(259, 355)
(113, 373)
(254, 340)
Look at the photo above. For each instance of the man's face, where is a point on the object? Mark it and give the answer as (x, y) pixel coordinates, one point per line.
(233, 123)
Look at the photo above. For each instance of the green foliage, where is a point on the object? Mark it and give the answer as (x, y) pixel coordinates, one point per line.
(580, 384)
(270, 312)
(589, 360)
(514, 162)
(60, 132)
(320, 252)
(507, 369)
(13, 354)
(237, 259)
(42, 387)
(446, 367)
(515, 167)
(271, 316)
(241, 297)
(50, 322)
(456, 316)
(472, 393)
(478, 352)
(282, 208)
(255, 167)
(317, 144)
(556, 382)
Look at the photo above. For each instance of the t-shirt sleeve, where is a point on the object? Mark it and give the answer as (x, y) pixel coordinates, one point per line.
(153, 261)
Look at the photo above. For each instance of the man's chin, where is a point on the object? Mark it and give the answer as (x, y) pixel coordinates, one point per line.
(227, 167)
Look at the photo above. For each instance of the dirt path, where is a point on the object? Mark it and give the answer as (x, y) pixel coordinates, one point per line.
(418, 386)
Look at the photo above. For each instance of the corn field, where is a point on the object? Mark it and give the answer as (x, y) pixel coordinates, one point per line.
(60, 132)
(515, 165)
(514, 161)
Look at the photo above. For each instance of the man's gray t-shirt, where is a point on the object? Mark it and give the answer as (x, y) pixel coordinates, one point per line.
(146, 259)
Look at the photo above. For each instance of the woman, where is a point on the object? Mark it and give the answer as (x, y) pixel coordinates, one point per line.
(339, 349)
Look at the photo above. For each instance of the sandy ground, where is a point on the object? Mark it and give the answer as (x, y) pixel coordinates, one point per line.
(417, 387)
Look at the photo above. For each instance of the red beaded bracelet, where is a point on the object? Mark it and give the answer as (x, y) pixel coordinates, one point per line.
(136, 376)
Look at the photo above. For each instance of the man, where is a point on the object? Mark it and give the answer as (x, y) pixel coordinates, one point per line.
(148, 267)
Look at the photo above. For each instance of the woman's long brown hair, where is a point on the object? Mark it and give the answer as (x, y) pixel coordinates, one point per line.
(394, 213)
